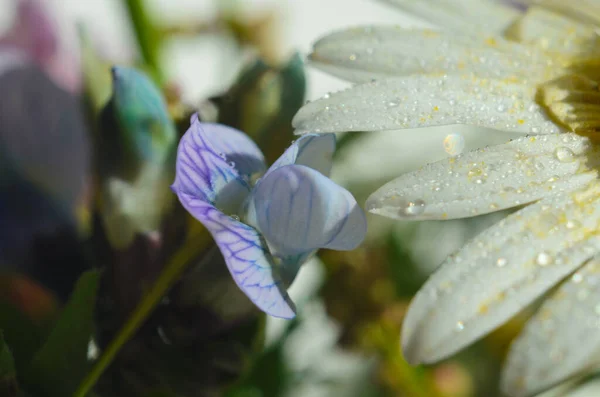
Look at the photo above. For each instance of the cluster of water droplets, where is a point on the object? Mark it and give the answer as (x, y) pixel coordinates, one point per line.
(419, 101)
(371, 52)
(512, 262)
(569, 316)
(488, 179)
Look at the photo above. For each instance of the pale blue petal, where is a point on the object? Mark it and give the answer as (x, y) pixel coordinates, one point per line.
(235, 146)
(247, 258)
(299, 210)
(203, 172)
(312, 150)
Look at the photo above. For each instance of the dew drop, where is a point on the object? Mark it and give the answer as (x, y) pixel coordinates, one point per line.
(501, 262)
(577, 278)
(460, 326)
(564, 155)
(454, 144)
(235, 217)
(543, 259)
(414, 208)
(572, 224)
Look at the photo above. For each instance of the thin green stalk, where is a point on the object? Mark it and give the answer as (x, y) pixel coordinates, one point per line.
(148, 37)
(165, 281)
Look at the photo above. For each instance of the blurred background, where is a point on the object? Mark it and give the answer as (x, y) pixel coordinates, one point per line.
(239, 63)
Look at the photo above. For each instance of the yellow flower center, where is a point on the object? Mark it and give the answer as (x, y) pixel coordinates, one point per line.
(573, 99)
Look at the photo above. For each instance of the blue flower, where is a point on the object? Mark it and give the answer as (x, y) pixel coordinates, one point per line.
(266, 224)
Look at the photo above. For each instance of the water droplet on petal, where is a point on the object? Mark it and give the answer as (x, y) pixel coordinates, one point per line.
(572, 224)
(501, 262)
(564, 154)
(543, 259)
(454, 144)
(414, 208)
(460, 326)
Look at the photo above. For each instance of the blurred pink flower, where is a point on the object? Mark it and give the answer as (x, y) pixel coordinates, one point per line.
(35, 32)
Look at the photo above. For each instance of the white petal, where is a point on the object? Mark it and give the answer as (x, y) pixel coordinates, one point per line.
(366, 53)
(582, 10)
(500, 272)
(488, 180)
(553, 31)
(561, 340)
(460, 15)
(424, 101)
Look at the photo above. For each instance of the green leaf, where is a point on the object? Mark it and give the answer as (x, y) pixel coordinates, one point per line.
(8, 381)
(21, 334)
(61, 363)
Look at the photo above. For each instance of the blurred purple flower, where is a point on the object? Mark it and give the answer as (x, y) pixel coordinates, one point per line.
(266, 227)
(518, 4)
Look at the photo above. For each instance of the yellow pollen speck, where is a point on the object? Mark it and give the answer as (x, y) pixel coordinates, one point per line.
(430, 33)
(435, 108)
(521, 121)
(491, 41)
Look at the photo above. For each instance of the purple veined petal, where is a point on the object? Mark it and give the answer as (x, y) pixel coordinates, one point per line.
(203, 172)
(247, 257)
(235, 146)
(299, 210)
(312, 150)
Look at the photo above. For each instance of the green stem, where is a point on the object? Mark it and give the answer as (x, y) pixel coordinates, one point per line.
(165, 281)
(148, 37)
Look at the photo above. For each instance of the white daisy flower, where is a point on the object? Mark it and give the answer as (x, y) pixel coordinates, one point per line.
(533, 71)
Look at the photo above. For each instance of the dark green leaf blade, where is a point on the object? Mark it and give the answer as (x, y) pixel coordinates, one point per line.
(8, 379)
(61, 363)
